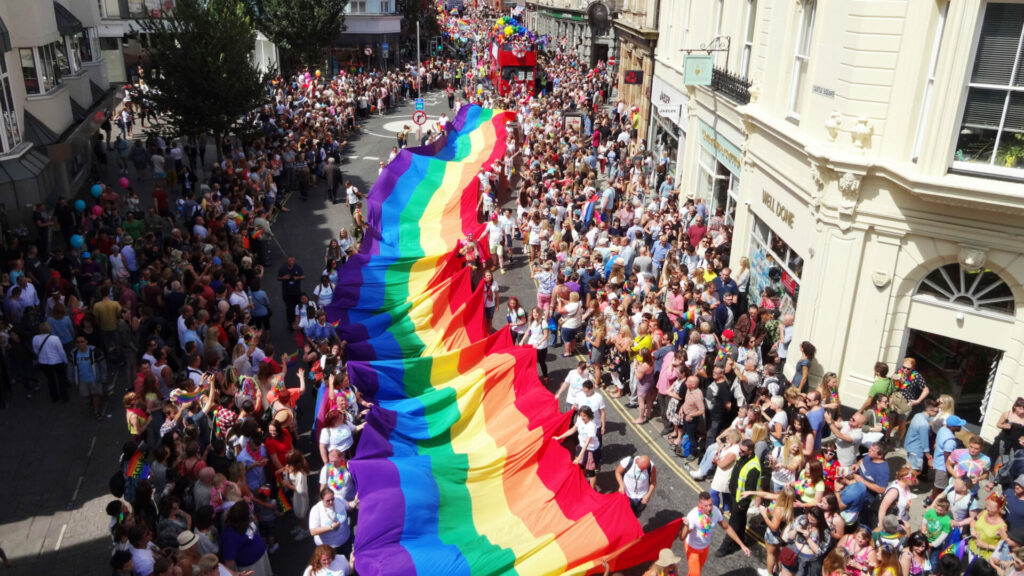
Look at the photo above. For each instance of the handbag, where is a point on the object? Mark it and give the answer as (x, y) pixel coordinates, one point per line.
(788, 557)
(899, 403)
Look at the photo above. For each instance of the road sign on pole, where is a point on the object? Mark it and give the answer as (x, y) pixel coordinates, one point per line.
(419, 103)
(419, 117)
(611, 61)
(368, 51)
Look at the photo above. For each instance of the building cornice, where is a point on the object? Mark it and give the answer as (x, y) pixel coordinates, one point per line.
(949, 189)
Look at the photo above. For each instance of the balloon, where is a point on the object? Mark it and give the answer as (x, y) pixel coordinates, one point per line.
(77, 242)
(96, 190)
(79, 205)
(124, 182)
(97, 211)
(317, 73)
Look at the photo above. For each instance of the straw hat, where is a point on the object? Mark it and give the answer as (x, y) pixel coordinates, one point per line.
(666, 558)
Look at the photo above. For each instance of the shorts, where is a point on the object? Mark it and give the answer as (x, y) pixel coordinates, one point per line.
(569, 334)
(915, 461)
(489, 312)
(496, 249)
(90, 388)
(941, 479)
(770, 537)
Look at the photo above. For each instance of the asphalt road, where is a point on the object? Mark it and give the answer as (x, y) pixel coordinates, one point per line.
(304, 233)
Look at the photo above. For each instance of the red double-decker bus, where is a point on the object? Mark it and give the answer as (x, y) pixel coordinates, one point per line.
(514, 66)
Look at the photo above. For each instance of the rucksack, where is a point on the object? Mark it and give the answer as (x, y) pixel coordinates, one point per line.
(116, 484)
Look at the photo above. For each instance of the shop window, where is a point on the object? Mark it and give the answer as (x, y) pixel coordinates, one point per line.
(775, 269)
(801, 59)
(929, 85)
(10, 136)
(991, 137)
(977, 290)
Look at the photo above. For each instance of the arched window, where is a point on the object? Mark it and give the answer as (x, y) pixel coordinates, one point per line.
(980, 290)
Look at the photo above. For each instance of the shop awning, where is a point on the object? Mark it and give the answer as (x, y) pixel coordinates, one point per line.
(67, 23)
(5, 37)
(24, 167)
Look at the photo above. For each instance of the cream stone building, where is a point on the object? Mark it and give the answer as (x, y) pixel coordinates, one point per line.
(870, 156)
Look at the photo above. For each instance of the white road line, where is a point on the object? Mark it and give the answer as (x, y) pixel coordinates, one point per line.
(91, 447)
(74, 495)
(60, 539)
(353, 157)
(371, 157)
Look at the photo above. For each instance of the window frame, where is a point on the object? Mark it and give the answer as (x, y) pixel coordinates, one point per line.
(1014, 87)
(748, 39)
(801, 57)
(10, 135)
(929, 85)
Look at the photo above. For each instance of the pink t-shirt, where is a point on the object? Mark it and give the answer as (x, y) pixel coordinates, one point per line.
(667, 375)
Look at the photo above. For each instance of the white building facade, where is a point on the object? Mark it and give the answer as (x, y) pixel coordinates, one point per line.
(53, 91)
(870, 157)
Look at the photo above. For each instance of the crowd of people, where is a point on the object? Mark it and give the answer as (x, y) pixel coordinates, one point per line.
(163, 306)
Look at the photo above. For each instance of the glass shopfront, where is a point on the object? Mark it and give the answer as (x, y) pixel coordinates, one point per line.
(667, 139)
(718, 172)
(775, 269)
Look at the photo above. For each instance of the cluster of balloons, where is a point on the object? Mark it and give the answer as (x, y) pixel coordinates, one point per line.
(509, 26)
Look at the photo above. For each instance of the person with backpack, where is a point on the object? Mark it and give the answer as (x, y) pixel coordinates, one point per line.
(89, 372)
(637, 478)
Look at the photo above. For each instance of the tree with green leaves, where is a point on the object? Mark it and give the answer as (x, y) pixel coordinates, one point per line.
(305, 28)
(204, 80)
(414, 11)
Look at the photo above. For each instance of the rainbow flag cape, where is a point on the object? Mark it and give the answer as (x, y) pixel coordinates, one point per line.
(292, 359)
(136, 467)
(456, 471)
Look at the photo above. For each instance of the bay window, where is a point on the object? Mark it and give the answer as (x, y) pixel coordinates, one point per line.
(43, 67)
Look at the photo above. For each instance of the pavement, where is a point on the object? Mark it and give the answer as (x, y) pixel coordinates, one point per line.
(59, 459)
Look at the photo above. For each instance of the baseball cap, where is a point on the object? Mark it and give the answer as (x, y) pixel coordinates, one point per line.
(955, 420)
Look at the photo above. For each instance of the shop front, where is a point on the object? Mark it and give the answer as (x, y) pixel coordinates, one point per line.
(667, 134)
(718, 169)
(779, 229)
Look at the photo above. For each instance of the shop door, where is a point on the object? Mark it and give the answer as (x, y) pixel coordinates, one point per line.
(598, 54)
(964, 370)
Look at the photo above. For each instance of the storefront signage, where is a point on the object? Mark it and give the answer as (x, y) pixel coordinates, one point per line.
(697, 69)
(781, 211)
(668, 101)
(822, 91)
(726, 152)
(668, 110)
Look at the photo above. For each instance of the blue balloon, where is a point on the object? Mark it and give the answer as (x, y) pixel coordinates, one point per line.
(79, 205)
(77, 242)
(96, 190)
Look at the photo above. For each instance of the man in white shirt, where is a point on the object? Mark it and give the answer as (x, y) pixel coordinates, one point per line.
(696, 532)
(848, 437)
(637, 479)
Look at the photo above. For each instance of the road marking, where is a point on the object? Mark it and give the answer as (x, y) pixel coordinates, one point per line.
(60, 539)
(371, 157)
(88, 455)
(683, 475)
(353, 157)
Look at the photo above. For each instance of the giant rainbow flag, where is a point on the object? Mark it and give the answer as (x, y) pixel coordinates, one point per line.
(456, 470)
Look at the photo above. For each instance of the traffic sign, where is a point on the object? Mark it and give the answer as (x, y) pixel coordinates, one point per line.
(419, 117)
(611, 61)
(384, 46)
(419, 103)
(368, 51)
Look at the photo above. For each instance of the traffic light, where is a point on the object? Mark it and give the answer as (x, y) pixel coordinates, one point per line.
(439, 46)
